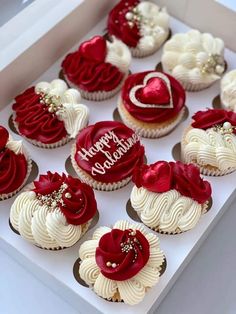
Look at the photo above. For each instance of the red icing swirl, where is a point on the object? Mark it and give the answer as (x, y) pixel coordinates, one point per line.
(153, 115)
(211, 117)
(87, 68)
(35, 121)
(122, 254)
(79, 207)
(13, 171)
(116, 171)
(118, 26)
(164, 176)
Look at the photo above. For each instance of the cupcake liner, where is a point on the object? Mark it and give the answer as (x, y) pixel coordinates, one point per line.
(62, 142)
(97, 185)
(145, 131)
(139, 53)
(95, 96)
(9, 195)
(206, 170)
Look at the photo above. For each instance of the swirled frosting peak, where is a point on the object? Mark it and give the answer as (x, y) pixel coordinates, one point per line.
(194, 57)
(13, 163)
(228, 90)
(108, 151)
(97, 65)
(139, 24)
(122, 261)
(211, 140)
(164, 176)
(55, 211)
(49, 112)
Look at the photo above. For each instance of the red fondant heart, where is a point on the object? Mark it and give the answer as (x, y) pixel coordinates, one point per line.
(94, 49)
(4, 135)
(155, 92)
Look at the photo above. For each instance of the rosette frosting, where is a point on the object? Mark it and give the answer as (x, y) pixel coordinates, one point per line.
(108, 151)
(139, 24)
(168, 196)
(97, 65)
(121, 262)
(152, 96)
(55, 212)
(194, 57)
(13, 163)
(50, 112)
(211, 140)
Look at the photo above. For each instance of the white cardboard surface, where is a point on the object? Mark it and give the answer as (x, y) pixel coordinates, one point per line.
(55, 268)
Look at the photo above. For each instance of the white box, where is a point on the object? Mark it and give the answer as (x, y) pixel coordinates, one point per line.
(55, 268)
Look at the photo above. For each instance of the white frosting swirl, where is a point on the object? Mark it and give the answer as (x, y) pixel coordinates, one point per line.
(16, 146)
(73, 114)
(132, 291)
(168, 211)
(185, 54)
(118, 54)
(37, 224)
(228, 90)
(209, 147)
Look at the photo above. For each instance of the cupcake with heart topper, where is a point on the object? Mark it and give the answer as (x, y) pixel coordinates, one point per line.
(142, 26)
(151, 103)
(210, 142)
(49, 115)
(15, 165)
(105, 155)
(169, 197)
(98, 68)
(54, 211)
(121, 263)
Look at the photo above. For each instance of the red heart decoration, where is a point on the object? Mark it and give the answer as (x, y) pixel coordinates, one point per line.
(94, 49)
(155, 92)
(4, 135)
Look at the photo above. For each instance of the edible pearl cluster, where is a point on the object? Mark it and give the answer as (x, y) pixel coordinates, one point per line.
(53, 102)
(226, 128)
(54, 199)
(129, 245)
(214, 64)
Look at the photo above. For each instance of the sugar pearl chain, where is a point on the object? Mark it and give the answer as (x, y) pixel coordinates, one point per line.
(214, 64)
(54, 199)
(53, 102)
(225, 128)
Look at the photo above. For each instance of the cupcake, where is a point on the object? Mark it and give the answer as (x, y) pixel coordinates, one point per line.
(122, 263)
(195, 59)
(142, 26)
(228, 91)
(49, 115)
(210, 142)
(169, 197)
(105, 155)
(15, 165)
(98, 68)
(151, 103)
(54, 212)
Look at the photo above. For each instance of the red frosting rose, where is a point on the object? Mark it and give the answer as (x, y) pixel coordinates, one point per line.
(88, 69)
(35, 121)
(164, 176)
(122, 254)
(13, 167)
(156, 92)
(207, 119)
(79, 204)
(109, 168)
(118, 24)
